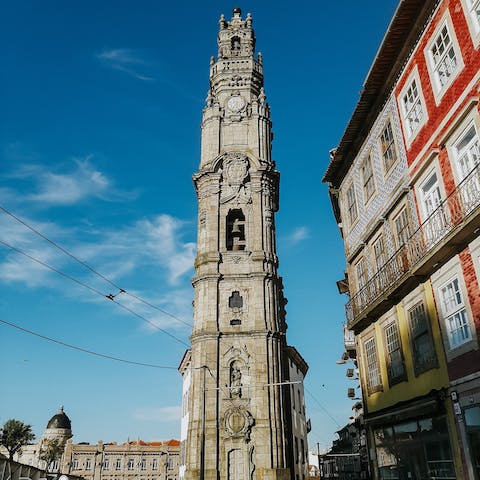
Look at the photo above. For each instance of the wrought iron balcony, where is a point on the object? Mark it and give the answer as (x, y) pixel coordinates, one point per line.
(447, 230)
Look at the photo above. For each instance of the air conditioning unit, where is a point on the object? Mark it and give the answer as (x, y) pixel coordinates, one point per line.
(351, 393)
(350, 372)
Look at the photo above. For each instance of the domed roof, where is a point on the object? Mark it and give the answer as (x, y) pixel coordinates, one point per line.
(60, 420)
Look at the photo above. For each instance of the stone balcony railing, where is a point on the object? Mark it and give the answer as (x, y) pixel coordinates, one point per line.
(447, 230)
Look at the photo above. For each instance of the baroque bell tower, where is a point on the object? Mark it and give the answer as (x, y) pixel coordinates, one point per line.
(239, 412)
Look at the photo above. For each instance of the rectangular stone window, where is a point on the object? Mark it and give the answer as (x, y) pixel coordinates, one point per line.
(455, 313)
(361, 274)
(118, 464)
(130, 464)
(368, 179)
(379, 253)
(423, 351)
(351, 204)
(395, 365)
(387, 143)
(374, 380)
(88, 464)
(402, 227)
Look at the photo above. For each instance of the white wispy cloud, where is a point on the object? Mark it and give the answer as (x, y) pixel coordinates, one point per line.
(14, 267)
(126, 60)
(162, 240)
(158, 414)
(154, 247)
(65, 185)
(298, 235)
(68, 188)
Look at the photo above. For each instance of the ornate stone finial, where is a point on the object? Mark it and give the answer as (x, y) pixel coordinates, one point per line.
(212, 60)
(237, 12)
(61, 408)
(249, 20)
(260, 58)
(222, 22)
(261, 96)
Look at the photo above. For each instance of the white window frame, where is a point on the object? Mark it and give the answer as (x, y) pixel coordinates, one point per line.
(471, 9)
(434, 63)
(118, 464)
(441, 277)
(88, 464)
(416, 110)
(455, 313)
(471, 150)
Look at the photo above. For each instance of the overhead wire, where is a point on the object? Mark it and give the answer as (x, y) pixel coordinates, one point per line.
(98, 292)
(84, 350)
(322, 407)
(90, 268)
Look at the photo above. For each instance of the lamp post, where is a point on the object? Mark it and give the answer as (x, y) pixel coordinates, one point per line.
(202, 444)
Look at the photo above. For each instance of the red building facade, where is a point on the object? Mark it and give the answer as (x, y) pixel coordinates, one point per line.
(438, 101)
(404, 184)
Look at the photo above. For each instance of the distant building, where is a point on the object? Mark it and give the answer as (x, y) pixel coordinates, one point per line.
(297, 370)
(404, 183)
(137, 459)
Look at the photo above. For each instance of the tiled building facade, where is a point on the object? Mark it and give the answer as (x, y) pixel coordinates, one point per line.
(405, 187)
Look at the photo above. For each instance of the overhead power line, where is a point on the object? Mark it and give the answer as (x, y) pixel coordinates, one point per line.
(84, 350)
(90, 268)
(322, 407)
(94, 290)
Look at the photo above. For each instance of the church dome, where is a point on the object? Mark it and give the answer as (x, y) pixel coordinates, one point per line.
(60, 420)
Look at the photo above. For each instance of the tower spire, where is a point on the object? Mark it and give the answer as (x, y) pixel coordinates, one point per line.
(239, 419)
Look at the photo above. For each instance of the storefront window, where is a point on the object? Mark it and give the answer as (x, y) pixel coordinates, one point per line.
(472, 423)
(415, 450)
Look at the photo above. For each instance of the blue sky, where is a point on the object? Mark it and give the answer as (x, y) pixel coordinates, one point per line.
(100, 112)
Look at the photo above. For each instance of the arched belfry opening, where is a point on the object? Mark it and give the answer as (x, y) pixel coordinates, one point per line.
(236, 44)
(236, 230)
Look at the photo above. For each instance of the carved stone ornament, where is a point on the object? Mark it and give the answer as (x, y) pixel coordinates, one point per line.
(235, 173)
(238, 423)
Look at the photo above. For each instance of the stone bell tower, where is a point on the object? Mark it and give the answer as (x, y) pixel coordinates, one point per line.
(239, 412)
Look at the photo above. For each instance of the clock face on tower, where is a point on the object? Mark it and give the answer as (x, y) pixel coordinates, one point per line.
(235, 104)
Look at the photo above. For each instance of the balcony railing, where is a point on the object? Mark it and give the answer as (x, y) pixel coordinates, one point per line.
(450, 216)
